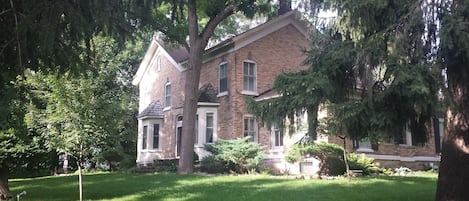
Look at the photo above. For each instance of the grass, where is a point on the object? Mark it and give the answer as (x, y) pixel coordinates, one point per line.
(170, 187)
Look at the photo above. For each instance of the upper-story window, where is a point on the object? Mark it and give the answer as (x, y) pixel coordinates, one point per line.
(249, 77)
(223, 78)
(167, 95)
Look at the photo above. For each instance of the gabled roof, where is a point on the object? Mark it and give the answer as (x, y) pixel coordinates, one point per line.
(208, 94)
(154, 110)
(175, 56)
(293, 18)
(178, 55)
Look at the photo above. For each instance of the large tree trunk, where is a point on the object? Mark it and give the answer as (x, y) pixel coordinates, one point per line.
(197, 43)
(4, 190)
(453, 179)
(186, 160)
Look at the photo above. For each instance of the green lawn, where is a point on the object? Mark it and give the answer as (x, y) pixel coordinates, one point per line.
(172, 187)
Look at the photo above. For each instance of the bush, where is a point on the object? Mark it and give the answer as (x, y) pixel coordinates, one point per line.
(210, 165)
(360, 162)
(331, 156)
(237, 155)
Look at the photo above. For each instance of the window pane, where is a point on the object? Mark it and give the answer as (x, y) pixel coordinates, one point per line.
(223, 85)
(251, 69)
(249, 76)
(209, 128)
(249, 127)
(144, 137)
(167, 91)
(156, 136)
(245, 68)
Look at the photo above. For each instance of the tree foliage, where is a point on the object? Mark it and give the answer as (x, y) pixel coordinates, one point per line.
(373, 67)
(241, 155)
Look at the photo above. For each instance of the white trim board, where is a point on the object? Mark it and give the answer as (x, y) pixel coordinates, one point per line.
(404, 158)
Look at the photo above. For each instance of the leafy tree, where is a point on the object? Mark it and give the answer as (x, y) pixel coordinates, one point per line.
(87, 115)
(46, 35)
(192, 24)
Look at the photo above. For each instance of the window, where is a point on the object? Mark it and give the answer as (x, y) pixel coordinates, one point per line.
(404, 137)
(223, 78)
(277, 136)
(249, 76)
(250, 128)
(167, 95)
(144, 137)
(156, 136)
(209, 128)
(158, 63)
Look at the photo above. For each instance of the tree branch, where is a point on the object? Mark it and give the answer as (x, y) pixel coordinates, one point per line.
(192, 22)
(212, 24)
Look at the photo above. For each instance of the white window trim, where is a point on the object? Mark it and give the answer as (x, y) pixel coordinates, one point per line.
(149, 144)
(256, 130)
(201, 132)
(273, 137)
(165, 95)
(224, 93)
(249, 92)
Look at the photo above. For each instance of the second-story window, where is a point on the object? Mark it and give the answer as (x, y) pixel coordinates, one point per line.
(223, 78)
(249, 76)
(167, 95)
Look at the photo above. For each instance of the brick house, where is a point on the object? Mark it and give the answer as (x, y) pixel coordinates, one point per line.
(243, 66)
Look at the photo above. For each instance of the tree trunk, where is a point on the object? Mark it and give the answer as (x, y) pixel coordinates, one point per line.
(453, 178)
(80, 181)
(197, 43)
(4, 189)
(186, 160)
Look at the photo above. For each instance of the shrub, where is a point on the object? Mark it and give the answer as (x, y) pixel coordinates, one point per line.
(210, 165)
(331, 156)
(361, 162)
(238, 155)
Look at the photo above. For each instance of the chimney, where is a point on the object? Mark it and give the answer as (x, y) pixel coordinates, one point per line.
(285, 6)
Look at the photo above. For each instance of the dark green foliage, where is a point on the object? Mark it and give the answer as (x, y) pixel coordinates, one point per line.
(331, 157)
(361, 162)
(374, 68)
(238, 155)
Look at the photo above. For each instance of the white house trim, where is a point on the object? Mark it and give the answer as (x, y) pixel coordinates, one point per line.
(404, 158)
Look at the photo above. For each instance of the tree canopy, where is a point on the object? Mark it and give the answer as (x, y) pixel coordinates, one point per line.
(374, 68)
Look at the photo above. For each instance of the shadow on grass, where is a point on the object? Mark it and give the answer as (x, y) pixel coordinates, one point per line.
(226, 188)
